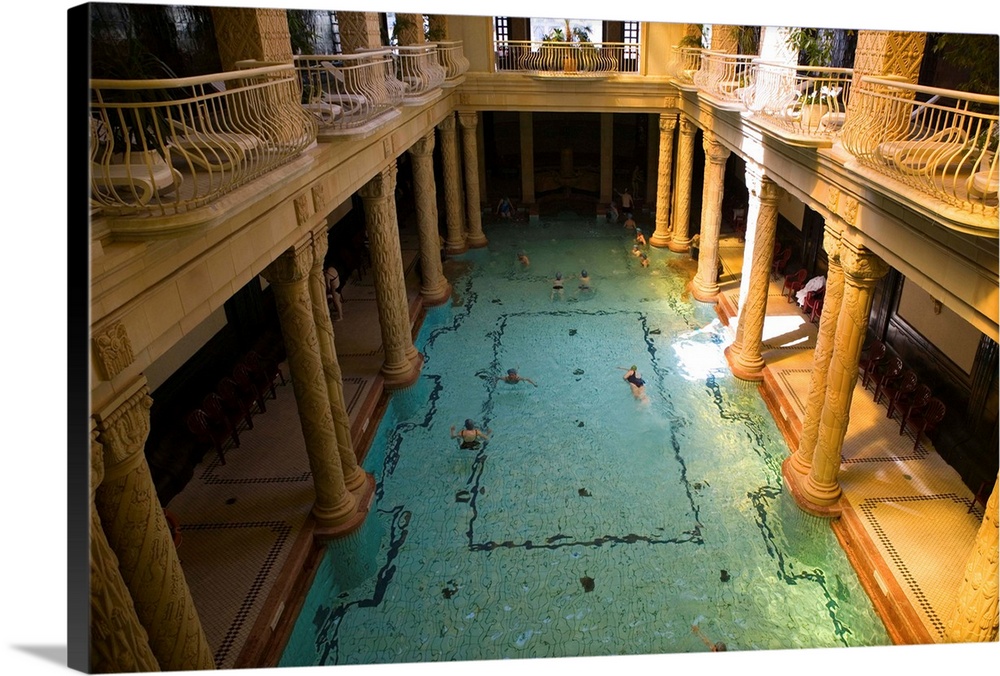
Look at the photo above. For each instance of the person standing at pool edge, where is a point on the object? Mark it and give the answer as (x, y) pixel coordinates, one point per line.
(468, 435)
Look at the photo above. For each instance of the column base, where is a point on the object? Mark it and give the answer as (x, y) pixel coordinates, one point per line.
(679, 246)
(355, 480)
(704, 295)
(455, 249)
(433, 297)
(660, 242)
(795, 483)
(400, 378)
(364, 495)
(477, 242)
(750, 372)
(337, 515)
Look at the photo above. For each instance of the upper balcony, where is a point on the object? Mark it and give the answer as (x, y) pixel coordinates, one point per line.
(547, 59)
(165, 147)
(452, 58)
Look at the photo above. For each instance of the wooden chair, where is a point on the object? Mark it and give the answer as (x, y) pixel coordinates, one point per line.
(249, 389)
(924, 420)
(813, 304)
(780, 263)
(229, 390)
(264, 369)
(213, 405)
(876, 353)
(793, 284)
(892, 371)
(200, 425)
(908, 403)
(899, 387)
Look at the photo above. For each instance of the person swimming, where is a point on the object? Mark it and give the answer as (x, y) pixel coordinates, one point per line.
(635, 381)
(468, 436)
(643, 260)
(513, 378)
(584, 281)
(522, 258)
(639, 237)
(557, 286)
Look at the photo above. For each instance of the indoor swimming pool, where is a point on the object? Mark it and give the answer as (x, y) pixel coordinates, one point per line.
(591, 522)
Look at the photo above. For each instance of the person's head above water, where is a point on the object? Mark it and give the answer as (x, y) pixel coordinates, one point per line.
(512, 372)
(558, 275)
(469, 424)
(632, 368)
(583, 273)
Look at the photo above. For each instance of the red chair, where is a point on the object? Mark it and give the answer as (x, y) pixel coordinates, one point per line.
(229, 390)
(266, 371)
(780, 263)
(899, 387)
(906, 403)
(793, 284)
(892, 371)
(868, 365)
(813, 304)
(924, 420)
(213, 405)
(200, 425)
(249, 390)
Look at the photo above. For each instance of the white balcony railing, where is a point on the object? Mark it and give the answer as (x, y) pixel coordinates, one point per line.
(452, 58)
(419, 70)
(349, 92)
(161, 147)
(567, 58)
(725, 77)
(803, 101)
(685, 62)
(940, 142)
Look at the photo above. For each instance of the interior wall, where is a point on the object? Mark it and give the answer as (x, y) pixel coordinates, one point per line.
(955, 337)
(184, 349)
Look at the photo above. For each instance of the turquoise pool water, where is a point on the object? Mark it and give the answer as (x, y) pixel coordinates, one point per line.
(590, 523)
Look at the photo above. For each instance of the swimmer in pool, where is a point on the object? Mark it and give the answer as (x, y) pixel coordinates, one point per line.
(639, 237)
(522, 258)
(584, 281)
(513, 378)
(643, 260)
(717, 647)
(557, 286)
(635, 381)
(468, 436)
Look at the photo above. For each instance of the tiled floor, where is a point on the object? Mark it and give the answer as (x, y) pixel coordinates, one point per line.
(240, 520)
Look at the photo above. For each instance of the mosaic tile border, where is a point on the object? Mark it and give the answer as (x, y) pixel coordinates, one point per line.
(360, 383)
(867, 509)
(787, 388)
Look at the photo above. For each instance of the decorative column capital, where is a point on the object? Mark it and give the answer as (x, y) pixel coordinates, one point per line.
(760, 185)
(291, 266)
(715, 152)
(468, 119)
(114, 350)
(831, 242)
(688, 127)
(381, 186)
(861, 267)
(320, 245)
(123, 430)
(424, 146)
(447, 124)
(668, 122)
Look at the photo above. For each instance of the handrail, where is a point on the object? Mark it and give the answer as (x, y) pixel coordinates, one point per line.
(166, 146)
(948, 151)
(348, 91)
(803, 101)
(568, 58)
(726, 77)
(686, 61)
(452, 58)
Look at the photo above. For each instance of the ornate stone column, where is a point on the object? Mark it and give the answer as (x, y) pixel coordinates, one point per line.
(527, 158)
(705, 285)
(410, 29)
(358, 30)
(680, 217)
(434, 288)
(454, 243)
(862, 269)
(138, 534)
(607, 158)
(118, 643)
(833, 297)
(975, 614)
(289, 276)
(402, 361)
(661, 236)
(744, 355)
(251, 33)
(354, 476)
(439, 25)
(474, 217)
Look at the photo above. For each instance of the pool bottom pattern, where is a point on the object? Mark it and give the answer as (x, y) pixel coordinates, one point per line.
(590, 523)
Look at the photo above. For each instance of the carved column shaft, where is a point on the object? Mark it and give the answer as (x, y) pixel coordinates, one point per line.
(661, 235)
(434, 288)
(353, 475)
(118, 642)
(862, 269)
(455, 240)
(705, 286)
(832, 302)
(138, 534)
(680, 217)
(251, 33)
(470, 154)
(358, 30)
(402, 362)
(410, 29)
(975, 614)
(527, 158)
(745, 358)
(289, 276)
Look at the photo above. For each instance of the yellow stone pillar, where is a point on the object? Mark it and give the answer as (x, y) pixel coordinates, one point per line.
(474, 217)
(527, 158)
(724, 39)
(897, 53)
(434, 287)
(251, 33)
(680, 215)
(118, 642)
(289, 275)
(138, 534)
(744, 355)
(801, 461)
(358, 30)
(354, 476)
(705, 285)
(454, 242)
(862, 270)
(410, 29)
(975, 614)
(607, 158)
(661, 235)
(439, 25)
(402, 361)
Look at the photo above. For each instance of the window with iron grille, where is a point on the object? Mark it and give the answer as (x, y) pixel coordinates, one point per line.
(501, 28)
(630, 36)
